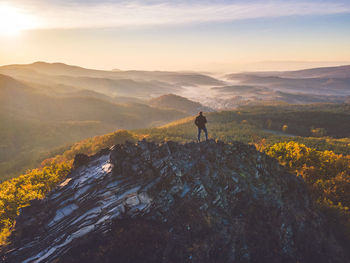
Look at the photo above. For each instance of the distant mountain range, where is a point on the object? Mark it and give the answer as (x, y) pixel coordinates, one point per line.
(141, 84)
(328, 84)
(47, 105)
(321, 81)
(37, 118)
(22, 101)
(323, 72)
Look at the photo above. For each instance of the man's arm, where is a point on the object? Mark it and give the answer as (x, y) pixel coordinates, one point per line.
(205, 120)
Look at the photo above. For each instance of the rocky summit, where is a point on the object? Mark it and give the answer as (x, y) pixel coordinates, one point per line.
(170, 202)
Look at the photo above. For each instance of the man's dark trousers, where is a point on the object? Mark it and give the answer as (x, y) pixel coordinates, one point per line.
(199, 133)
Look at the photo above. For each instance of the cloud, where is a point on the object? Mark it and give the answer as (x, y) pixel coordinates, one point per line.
(95, 14)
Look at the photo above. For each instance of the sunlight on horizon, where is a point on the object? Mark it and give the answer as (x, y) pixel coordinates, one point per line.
(13, 21)
(216, 36)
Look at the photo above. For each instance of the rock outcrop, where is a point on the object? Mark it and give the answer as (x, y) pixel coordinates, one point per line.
(197, 202)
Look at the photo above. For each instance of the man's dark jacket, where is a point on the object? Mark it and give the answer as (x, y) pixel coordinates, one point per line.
(200, 121)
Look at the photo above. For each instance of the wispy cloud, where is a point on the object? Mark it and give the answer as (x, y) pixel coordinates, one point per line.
(94, 14)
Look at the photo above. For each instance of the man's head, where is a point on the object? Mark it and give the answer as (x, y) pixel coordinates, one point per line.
(201, 113)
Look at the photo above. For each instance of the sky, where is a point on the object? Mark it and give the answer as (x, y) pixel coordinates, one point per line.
(202, 35)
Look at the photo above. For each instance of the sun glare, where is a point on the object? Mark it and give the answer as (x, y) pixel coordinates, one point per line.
(13, 21)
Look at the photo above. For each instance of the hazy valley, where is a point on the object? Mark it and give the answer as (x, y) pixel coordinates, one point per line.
(47, 106)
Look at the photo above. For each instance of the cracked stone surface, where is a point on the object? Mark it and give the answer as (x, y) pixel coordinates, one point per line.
(197, 202)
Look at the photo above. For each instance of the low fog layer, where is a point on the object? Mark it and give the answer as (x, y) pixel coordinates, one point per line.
(329, 84)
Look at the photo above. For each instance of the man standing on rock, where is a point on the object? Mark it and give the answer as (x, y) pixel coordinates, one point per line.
(200, 123)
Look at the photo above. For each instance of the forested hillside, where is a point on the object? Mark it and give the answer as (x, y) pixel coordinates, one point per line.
(320, 126)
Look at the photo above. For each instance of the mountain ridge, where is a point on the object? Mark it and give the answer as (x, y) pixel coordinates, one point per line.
(175, 202)
(307, 72)
(57, 68)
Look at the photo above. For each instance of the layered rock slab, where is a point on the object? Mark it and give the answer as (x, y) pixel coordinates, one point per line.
(197, 202)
